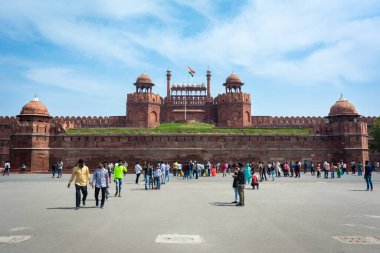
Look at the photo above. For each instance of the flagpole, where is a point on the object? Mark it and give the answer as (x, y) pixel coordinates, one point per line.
(188, 77)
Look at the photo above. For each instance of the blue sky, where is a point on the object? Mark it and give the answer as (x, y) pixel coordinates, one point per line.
(81, 58)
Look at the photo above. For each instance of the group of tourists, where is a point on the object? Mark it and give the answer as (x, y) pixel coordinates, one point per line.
(293, 169)
(194, 169)
(101, 180)
(157, 174)
(154, 176)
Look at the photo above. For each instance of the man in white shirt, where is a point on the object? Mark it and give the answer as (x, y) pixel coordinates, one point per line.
(326, 167)
(138, 172)
(163, 170)
(7, 167)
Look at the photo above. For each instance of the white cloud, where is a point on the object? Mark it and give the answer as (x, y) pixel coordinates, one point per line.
(67, 79)
(261, 39)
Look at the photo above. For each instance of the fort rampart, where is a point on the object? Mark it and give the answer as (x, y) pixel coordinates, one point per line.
(48, 142)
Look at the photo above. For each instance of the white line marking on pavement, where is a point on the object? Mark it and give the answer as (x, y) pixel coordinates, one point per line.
(175, 238)
(20, 229)
(372, 216)
(370, 227)
(349, 225)
(14, 238)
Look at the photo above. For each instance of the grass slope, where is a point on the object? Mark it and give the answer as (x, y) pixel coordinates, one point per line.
(182, 128)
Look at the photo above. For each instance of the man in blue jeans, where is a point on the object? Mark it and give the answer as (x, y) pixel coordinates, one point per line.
(118, 175)
(147, 173)
(368, 175)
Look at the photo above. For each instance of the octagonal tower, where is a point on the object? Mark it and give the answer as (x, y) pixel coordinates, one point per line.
(234, 106)
(31, 137)
(143, 106)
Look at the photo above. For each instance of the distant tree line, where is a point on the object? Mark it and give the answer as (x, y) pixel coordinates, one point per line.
(375, 132)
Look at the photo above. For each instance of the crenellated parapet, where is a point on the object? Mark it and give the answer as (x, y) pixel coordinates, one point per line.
(6, 120)
(90, 122)
(144, 98)
(286, 122)
(233, 98)
(341, 128)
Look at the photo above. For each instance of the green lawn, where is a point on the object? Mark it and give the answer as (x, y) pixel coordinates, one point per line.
(183, 128)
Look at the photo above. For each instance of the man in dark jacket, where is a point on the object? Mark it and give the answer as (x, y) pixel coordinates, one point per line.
(240, 184)
(367, 175)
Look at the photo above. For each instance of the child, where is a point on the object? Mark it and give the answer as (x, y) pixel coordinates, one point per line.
(255, 181)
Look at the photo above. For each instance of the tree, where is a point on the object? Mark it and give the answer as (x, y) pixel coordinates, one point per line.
(375, 132)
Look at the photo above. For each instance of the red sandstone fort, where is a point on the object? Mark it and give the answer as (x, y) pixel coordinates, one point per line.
(37, 139)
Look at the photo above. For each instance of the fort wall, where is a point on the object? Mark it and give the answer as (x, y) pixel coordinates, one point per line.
(204, 147)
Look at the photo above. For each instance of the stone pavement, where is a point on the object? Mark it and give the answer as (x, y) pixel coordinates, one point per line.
(287, 215)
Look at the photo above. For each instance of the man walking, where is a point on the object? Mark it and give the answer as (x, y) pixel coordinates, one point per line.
(240, 184)
(81, 174)
(7, 167)
(304, 167)
(298, 169)
(368, 175)
(360, 169)
(53, 169)
(138, 172)
(118, 175)
(100, 181)
(59, 168)
(146, 175)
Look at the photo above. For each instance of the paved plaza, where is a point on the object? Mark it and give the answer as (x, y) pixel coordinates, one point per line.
(287, 215)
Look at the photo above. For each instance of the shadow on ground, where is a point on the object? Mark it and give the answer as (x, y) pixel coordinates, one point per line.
(70, 208)
(222, 204)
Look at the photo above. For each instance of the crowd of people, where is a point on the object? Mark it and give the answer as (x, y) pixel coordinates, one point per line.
(155, 175)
